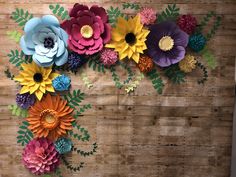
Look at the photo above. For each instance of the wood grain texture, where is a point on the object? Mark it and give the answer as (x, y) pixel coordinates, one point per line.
(185, 132)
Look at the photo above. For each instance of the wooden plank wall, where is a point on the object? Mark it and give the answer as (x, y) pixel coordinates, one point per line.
(185, 132)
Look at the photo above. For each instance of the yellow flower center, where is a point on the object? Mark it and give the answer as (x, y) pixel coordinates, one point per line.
(86, 31)
(49, 119)
(166, 43)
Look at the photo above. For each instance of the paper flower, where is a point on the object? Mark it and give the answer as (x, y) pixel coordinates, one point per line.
(88, 29)
(145, 64)
(128, 38)
(108, 57)
(40, 156)
(75, 61)
(25, 100)
(45, 40)
(187, 23)
(63, 145)
(148, 16)
(187, 64)
(197, 42)
(35, 80)
(166, 43)
(61, 83)
(50, 118)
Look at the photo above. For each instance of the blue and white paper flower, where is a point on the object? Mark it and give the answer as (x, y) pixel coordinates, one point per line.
(61, 83)
(45, 40)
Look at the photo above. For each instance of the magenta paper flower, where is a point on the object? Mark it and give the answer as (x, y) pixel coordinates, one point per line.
(40, 156)
(88, 29)
(148, 16)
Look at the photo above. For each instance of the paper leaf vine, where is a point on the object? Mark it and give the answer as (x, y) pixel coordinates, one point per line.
(130, 6)
(130, 87)
(85, 153)
(18, 57)
(156, 80)
(21, 17)
(80, 152)
(59, 11)
(17, 111)
(14, 35)
(8, 74)
(86, 80)
(205, 73)
(175, 74)
(85, 135)
(170, 13)
(69, 166)
(209, 57)
(74, 100)
(24, 134)
(95, 64)
(205, 23)
(116, 78)
(113, 14)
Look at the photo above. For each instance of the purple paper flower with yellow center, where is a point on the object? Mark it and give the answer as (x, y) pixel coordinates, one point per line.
(166, 43)
(45, 40)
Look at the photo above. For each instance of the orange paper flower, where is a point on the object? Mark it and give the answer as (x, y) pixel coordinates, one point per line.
(50, 117)
(145, 64)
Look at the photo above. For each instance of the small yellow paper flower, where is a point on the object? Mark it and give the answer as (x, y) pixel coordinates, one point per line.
(128, 38)
(187, 64)
(35, 79)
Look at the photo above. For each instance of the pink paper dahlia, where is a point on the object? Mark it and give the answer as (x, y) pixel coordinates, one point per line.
(40, 156)
(108, 57)
(187, 23)
(88, 29)
(148, 16)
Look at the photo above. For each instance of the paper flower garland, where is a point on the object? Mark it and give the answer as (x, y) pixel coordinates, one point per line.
(99, 39)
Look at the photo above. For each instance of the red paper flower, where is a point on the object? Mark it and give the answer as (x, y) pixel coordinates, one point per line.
(88, 29)
(187, 23)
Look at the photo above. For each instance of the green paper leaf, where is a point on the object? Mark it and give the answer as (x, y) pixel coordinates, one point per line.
(113, 14)
(17, 111)
(14, 35)
(8, 74)
(131, 6)
(21, 17)
(209, 58)
(18, 57)
(156, 80)
(170, 13)
(174, 73)
(59, 11)
(24, 134)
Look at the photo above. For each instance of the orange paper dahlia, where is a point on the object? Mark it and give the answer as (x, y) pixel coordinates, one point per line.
(50, 117)
(145, 64)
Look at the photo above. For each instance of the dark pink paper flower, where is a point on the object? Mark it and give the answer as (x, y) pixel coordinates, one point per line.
(88, 29)
(40, 156)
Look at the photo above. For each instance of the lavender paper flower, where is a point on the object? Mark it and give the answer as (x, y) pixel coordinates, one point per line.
(25, 100)
(166, 43)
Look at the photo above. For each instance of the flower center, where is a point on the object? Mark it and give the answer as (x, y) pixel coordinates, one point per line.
(166, 43)
(49, 119)
(86, 31)
(48, 43)
(38, 77)
(130, 38)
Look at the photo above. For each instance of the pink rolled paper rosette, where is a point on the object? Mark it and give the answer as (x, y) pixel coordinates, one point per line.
(88, 29)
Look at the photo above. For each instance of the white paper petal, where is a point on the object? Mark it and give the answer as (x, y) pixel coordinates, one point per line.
(61, 48)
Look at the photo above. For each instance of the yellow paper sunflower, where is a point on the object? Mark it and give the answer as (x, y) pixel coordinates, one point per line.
(128, 38)
(36, 80)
